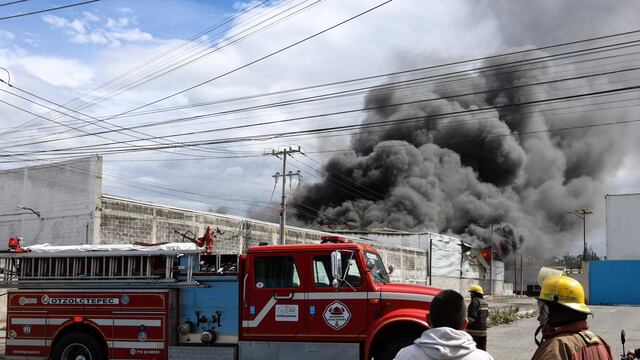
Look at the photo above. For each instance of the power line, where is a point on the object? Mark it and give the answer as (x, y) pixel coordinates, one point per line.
(326, 130)
(539, 59)
(174, 69)
(128, 73)
(13, 2)
(47, 10)
(256, 60)
(591, 51)
(303, 100)
(143, 79)
(343, 112)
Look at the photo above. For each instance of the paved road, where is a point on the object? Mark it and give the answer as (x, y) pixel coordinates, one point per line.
(515, 341)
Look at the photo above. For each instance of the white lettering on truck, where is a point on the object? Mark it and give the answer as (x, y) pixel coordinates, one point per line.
(83, 301)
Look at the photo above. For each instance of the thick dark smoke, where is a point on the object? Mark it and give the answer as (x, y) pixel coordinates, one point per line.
(461, 174)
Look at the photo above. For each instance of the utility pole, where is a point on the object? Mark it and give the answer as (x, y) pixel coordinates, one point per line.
(283, 204)
(491, 264)
(582, 215)
(521, 273)
(515, 273)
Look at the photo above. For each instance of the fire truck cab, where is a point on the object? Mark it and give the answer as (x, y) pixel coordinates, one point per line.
(314, 301)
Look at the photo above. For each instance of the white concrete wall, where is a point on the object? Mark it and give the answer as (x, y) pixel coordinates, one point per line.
(623, 227)
(65, 194)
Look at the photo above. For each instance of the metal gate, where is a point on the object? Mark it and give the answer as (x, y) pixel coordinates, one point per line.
(614, 282)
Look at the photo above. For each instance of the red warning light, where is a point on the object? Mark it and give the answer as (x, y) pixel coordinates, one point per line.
(78, 319)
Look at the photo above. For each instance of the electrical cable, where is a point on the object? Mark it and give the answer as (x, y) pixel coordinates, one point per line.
(48, 10)
(13, 2)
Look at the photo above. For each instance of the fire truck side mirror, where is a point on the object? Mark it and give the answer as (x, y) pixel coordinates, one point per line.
(335, 283)
(336, 266)
(391, 269)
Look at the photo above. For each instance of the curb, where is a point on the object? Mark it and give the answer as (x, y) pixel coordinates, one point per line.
(526, 313)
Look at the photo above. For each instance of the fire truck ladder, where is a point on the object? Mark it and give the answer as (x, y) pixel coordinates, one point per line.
(98, 269)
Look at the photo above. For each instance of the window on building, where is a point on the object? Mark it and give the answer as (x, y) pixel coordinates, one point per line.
(276, 272)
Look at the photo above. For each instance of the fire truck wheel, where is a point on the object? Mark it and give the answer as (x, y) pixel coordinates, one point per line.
(78, 346)
(390, 350)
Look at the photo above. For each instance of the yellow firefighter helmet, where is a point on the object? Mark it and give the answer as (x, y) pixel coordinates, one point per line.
(565, 291)
(476, 288)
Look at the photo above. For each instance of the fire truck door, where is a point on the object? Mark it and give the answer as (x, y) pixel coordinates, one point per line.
(273, 298)
(337, 313)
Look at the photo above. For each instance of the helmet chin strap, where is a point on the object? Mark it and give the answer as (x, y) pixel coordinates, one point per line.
(545, 311)
(535, 336)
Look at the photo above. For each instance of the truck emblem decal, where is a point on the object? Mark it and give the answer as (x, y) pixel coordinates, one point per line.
(24, 300)
(12, 334)
(45, 299)
(125, 299)
(336, 315)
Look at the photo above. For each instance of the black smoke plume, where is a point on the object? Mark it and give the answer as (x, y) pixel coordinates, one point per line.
(470, 162)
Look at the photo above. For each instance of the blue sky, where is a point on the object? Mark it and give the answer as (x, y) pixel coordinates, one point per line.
(162, 19)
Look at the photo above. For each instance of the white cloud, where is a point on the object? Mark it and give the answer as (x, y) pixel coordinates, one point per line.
(56, 21)
(57, 71)
(6, 35)
(90, 30)
(89, 16)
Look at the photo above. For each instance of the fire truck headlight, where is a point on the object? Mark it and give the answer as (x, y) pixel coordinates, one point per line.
(185, 328)
(143, 336)
(208, 336)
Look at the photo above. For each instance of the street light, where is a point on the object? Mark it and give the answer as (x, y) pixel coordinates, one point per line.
(29, 209)
(582, 214)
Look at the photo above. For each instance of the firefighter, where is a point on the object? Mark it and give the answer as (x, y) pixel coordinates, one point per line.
(563, 322)
(477, 314)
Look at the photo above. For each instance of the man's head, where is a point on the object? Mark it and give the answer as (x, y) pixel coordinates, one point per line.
(561, 301)
(448, 309)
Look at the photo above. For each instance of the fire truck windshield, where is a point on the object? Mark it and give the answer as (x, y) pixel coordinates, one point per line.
(379, 273)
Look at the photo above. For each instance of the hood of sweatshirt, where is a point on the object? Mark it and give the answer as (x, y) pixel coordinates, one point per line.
(445, 343)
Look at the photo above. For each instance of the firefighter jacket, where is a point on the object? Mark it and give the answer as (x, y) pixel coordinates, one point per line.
(572, 342)
(477, 314)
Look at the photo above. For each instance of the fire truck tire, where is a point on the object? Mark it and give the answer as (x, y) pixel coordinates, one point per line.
(78, 346)
(390, 350)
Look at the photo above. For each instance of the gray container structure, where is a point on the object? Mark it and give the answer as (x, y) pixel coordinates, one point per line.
(623, 227)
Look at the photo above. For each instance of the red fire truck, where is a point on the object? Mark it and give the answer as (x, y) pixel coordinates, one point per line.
(311, 301)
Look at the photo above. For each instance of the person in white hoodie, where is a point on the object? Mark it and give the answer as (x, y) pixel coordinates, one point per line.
(446, 339)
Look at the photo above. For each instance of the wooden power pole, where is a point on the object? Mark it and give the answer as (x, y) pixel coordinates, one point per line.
(284, 175)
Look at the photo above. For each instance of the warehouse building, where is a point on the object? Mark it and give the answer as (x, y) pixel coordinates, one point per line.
(63, 203)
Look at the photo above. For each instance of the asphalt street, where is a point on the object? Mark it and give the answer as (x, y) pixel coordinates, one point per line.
(515, 341)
